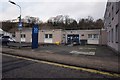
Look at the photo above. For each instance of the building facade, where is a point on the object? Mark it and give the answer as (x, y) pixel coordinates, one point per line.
(64, 36)
(112, 24)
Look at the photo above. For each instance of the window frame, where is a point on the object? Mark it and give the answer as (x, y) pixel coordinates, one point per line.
(94, 36)
(117, 7)
(23, 36)
(90, 36)
(48, 36)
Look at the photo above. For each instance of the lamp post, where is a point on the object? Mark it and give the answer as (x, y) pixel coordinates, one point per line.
(20, 23)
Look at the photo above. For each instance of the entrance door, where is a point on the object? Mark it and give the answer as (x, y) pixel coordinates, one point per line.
(73, 38)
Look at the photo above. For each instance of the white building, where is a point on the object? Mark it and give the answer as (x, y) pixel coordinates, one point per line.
(64, 36)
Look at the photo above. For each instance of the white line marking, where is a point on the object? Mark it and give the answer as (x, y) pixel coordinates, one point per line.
(85, 53)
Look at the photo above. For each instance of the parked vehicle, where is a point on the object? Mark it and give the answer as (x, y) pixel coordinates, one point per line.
(6, 39)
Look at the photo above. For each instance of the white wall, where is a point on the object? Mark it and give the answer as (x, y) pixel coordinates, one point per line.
(89, 41)
(48, 40)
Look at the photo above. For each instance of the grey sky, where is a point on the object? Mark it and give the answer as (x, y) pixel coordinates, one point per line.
(49, 8)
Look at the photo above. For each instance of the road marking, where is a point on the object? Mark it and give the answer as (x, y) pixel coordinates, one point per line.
(81, 52)
(67, 66)
(88, 48)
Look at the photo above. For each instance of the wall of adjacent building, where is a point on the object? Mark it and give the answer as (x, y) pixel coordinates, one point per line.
(119, 29)
(103, 37)
(111, 21)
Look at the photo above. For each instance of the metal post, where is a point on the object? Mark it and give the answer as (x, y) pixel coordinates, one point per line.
(20, 39)
(20, 29)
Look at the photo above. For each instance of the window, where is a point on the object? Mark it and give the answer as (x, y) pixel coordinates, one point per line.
(117, 9)
(23, 36)
(109, 3)
(95, 36)
(109, 18)
(116, 33)
(90, 36)
(109, 25)
(82, 35)
(48, 35)
(112, 12)
(109, 36)
(112, 35)
(109, 14)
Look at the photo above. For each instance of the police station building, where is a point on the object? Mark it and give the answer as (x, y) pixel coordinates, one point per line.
(96, 36)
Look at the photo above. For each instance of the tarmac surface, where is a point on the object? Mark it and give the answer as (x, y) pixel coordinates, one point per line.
(14, 67)
(104, 59)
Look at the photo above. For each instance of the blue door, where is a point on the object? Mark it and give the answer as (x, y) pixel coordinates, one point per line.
(73, 38)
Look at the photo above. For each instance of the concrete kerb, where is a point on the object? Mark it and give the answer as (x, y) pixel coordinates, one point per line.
(61, 62)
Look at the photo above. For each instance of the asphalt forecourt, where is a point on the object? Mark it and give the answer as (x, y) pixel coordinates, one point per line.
(115, 75)
(89, 56)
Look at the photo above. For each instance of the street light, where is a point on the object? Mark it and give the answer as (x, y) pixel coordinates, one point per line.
(20, 23)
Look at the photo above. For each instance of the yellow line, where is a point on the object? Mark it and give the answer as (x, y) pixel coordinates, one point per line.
(67, 66)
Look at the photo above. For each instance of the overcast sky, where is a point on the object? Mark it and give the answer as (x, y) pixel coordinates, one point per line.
(44, 9)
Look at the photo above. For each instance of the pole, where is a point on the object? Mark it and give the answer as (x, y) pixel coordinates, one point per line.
(20, 24)
(20, 28)
(20, 39)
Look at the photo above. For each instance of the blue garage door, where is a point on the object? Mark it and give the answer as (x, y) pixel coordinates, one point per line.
(73, 38)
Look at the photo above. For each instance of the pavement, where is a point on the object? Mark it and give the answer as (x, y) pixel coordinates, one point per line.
(103, 60)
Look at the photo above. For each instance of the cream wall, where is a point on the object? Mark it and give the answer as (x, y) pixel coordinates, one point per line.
(41, 36)
(59, 35)
(85, 33)
(81, 32)
(56, 35)
(17, 36)
(28, 36)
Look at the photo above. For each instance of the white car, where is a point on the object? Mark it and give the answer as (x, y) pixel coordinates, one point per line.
(7, 39)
